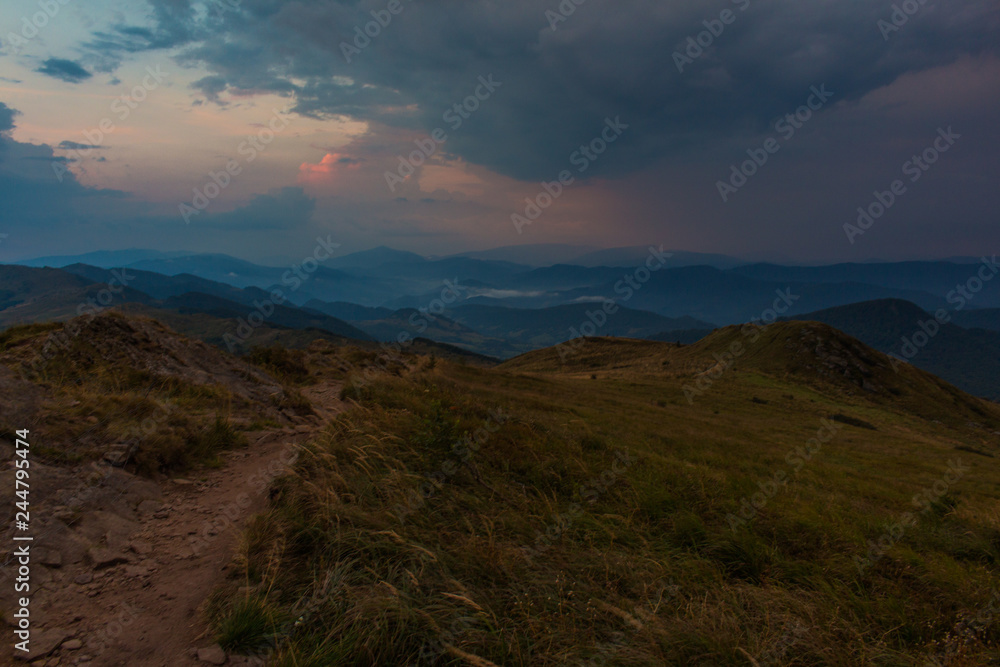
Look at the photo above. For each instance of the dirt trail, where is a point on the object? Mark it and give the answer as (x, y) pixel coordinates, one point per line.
(135, 599)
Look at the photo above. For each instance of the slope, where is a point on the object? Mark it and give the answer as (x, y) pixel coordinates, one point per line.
(807, 505)
(123, 556)
(160, 286)
(29, 295)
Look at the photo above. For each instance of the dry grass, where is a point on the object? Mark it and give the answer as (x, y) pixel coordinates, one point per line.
(504, 559)
(116, 385)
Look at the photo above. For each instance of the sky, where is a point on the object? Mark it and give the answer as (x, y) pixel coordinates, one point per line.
(754, 128)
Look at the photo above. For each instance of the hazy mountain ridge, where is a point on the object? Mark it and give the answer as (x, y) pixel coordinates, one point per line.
(396, 279)
(939, 278)
(525, 309)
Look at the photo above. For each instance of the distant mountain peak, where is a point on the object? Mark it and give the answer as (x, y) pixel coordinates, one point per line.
(105, 259)
(375, 256)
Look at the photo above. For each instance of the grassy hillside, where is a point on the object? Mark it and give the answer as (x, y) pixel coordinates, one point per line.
(132, 392)
(807, 506)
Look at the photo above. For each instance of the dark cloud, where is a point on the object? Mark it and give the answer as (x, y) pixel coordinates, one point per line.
(285, 208)
(48, 211)
(210, 87)
(608, 59)
(74, 146)
(65, 70)
(7, 116)
(40, 194)
(605, 60)
(175, 25)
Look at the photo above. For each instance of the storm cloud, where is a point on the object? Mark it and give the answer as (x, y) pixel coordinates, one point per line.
(65, 70)
(562, 78)
(750, 127)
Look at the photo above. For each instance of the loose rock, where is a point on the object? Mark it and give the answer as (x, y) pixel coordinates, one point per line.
(213, 655)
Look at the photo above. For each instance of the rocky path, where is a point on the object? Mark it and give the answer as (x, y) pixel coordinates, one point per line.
(124, 585)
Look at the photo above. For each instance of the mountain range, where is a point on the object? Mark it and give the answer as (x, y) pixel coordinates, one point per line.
(486, 304)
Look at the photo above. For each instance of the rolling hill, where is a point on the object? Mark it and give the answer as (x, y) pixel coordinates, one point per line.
(160, 286)
(765, 496)
(348, 311)
(584, 510)
(29, 295)
(220, 317)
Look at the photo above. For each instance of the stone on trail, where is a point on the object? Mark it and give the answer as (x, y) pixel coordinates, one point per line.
(104, 558)
(213, 655)
(43, 642)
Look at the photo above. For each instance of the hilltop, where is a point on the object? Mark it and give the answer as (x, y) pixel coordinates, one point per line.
(620, 501)
(966, 357)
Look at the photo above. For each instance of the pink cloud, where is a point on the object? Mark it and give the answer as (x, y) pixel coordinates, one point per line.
(331, 163)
